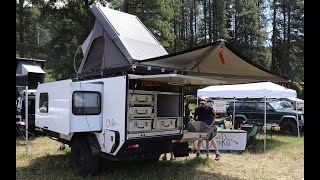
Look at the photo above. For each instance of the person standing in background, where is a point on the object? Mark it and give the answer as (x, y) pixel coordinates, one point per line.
(206, 114)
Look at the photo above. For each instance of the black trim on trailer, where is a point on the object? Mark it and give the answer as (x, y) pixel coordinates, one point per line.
(126, 108)
(51, 133)
(123, 70)
(64, 141)
(181, 104)
(117, 141)
(151, 70)
(148, 148)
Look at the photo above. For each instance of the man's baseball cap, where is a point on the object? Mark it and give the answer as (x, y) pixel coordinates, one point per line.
(202, 101)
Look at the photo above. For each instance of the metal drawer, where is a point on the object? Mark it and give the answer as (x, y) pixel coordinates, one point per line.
(141, 110)
(139, 125)
(166, 123)
(141, 98)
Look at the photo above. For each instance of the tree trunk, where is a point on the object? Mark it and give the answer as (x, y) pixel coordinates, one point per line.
(215, 18)
(210, 20)
(289, 30)
(284, 22)
(235, 29)
(21, 28)
(273, 39)
(175, 33)
(182, 23)
(205, 20)
(126, 6)
(195, 23)
(191, 26)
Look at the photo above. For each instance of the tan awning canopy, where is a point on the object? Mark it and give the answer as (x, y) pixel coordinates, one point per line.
(217, 60)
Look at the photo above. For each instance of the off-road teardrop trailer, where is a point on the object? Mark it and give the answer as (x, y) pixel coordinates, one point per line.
(127, 100)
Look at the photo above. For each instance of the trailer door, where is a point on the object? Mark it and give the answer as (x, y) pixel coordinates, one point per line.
(53, 105)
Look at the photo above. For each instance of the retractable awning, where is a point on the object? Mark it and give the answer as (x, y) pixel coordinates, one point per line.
(177, 79)
(217, 60)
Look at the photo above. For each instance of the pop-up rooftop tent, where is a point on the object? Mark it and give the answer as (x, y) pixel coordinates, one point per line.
(250, 90)
(119, 42)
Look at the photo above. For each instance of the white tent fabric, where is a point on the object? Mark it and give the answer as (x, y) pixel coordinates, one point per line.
(295, 99)
(251, 90)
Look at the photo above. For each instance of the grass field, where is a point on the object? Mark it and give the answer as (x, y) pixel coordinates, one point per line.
(284, 159)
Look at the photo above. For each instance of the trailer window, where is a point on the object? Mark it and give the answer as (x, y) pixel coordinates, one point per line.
(43, 106)
(86, 103)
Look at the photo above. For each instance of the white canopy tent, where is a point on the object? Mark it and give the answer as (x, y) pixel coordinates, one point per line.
(250, 90)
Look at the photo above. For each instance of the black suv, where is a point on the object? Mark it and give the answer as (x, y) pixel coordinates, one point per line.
(250, 111)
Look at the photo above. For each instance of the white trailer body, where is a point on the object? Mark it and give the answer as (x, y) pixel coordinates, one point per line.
(129, 117)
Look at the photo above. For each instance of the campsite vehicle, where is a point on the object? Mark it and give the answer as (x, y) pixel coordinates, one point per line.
(127, 100)
(20, 107)
(251, 111)
(295, 102)
(29, 73)
(286, 104)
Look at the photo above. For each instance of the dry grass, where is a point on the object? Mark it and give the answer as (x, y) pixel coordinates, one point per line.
(284, 159)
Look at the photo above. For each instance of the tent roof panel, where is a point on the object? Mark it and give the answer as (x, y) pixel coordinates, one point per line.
(128, 33)
(253, 90)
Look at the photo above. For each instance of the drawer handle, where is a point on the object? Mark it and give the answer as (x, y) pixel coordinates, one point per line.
(141, 111)
(140, 126)
(142, 99)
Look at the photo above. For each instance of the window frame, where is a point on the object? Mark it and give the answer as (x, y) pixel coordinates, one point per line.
(40, 104)
(246, 104)
(73, 107)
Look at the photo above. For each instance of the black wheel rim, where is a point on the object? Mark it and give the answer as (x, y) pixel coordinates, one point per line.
(288, 130)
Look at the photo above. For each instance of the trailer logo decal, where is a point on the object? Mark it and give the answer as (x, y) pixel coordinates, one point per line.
(111, 123)
(150, 83)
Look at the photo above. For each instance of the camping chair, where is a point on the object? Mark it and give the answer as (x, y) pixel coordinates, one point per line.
(252, 131)
(20, 128)
(220, 124)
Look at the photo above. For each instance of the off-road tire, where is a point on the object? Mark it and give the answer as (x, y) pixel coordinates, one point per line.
(81, 159)
(289, 128)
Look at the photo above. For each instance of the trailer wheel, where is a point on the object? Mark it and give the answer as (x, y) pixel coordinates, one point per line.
(289, 128)
(81, 159)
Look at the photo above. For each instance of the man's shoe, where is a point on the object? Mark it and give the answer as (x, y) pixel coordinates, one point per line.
(198, 155)
(164, 158)
(218, 156)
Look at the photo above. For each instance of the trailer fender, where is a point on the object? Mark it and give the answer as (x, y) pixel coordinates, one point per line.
(94, 144)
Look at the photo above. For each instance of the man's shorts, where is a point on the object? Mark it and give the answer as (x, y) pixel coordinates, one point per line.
(208, 121)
